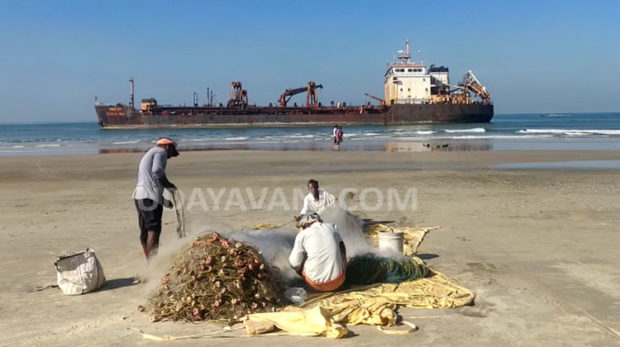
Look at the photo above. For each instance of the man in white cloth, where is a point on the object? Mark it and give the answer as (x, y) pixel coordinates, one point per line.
(316, 200)
(148, 194)
(319, 254)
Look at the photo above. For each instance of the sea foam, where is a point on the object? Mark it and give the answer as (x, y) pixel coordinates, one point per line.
(572, 132)
(125, 142)
(472, 130)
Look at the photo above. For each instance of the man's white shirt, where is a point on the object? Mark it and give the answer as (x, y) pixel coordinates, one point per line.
(319, 245)
(312, 205)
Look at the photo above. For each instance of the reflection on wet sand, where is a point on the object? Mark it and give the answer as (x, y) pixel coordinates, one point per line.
(434, 146)
(361, 146)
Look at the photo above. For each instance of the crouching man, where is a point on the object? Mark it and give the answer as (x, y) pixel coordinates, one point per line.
(319, 254)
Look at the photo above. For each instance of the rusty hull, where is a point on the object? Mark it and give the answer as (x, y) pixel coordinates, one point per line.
(123, 116)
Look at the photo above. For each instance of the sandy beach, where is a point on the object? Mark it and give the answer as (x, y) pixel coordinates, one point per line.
(538, 247)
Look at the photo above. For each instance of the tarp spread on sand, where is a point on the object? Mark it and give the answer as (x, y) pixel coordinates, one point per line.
(327, 314)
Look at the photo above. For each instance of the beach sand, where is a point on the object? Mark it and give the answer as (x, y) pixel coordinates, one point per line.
(538, 247)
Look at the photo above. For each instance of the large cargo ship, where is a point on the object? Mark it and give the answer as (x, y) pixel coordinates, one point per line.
(413, 94)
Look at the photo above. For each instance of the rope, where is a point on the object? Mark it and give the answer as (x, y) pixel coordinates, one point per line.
(412, 328)
(285, 224)
(43, 287)
(179, 209)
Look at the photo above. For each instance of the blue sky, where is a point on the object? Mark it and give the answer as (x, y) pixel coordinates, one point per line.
(534, 56)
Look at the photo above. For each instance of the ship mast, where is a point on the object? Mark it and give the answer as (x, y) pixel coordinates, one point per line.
(131, 102)
(405, 57)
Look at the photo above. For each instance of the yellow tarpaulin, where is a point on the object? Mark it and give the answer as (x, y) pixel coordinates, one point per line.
(317, 321)
(373, 305)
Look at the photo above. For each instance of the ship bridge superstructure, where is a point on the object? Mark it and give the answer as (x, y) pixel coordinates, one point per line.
(406, 81)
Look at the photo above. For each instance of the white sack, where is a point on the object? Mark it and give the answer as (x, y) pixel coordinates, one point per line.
(79, 273)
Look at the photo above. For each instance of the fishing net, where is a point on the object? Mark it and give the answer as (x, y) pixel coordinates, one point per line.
(369, 269)
(215, 279)
(179, 209)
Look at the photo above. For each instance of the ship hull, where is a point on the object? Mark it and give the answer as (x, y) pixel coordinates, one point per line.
(120, 117)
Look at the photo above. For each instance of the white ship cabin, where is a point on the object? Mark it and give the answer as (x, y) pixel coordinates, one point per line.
(407, 82)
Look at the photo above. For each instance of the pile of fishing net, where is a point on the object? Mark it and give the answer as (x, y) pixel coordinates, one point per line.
(369, 269)
(215, 279)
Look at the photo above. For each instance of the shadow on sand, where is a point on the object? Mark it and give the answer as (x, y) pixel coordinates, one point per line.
(426, 256)
(119, 283)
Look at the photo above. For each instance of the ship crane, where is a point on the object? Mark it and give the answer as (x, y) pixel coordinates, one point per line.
(375, 98)
(472, 84)
(288, 94)
(238, 96)
(311, 97)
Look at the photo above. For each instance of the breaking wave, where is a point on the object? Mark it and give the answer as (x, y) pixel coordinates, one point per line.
(125, 142)
(531, 136)
(572, 132)
(299, 136)
(472, 130)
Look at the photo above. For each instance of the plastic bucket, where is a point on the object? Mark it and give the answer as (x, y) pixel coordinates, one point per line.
(391, 240)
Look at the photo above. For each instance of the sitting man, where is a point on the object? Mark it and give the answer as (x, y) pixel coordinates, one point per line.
(316, 200)
(319, 254)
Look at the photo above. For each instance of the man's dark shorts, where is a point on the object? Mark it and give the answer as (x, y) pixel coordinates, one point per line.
(149, 218)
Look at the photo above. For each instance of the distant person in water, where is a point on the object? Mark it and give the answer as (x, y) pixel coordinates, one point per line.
(338, 134)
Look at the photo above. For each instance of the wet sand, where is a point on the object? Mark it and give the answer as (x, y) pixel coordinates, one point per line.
(539, 247)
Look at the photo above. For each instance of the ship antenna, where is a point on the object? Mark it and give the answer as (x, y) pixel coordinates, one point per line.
(407, 47)
(405, 57)
(131, 103)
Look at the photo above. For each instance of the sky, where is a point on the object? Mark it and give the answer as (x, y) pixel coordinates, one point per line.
(533, 56)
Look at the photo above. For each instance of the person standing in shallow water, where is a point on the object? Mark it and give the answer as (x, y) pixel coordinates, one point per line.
(335, 130)
(337, 134)
(148, 194)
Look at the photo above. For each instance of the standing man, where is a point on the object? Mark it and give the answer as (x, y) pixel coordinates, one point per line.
(148, 194)
(339, 135)
(335, 135)
(319, 254)
(316, 200)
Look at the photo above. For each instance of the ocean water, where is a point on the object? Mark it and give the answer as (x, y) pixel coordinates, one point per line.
(582, 131)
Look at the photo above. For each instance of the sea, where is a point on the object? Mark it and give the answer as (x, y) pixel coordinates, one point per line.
(506, 132)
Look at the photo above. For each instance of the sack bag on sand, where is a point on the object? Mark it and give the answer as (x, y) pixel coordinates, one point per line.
(79, 273)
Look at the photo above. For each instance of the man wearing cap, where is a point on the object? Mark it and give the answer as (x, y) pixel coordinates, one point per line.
(319, 254)
(148, 194)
